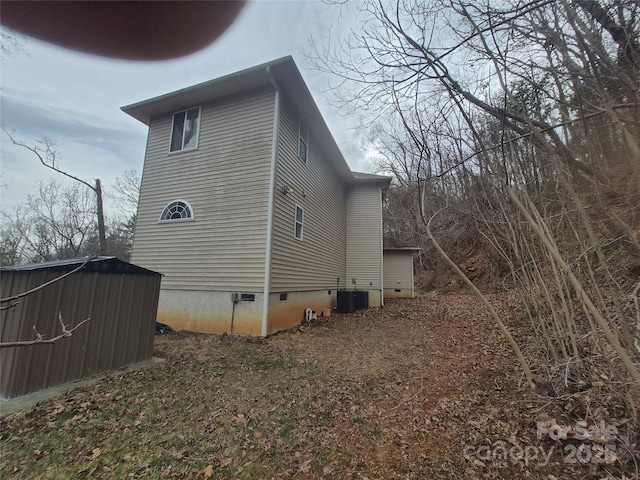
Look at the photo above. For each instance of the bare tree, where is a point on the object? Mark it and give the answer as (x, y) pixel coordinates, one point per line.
(46, 152)
(52, 224)
(12, 44)
(12, 241)
(58, 222)
(127, 192)
(518, 121)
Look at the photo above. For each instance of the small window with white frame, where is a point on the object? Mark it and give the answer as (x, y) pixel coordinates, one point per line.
(299, 222)
(303, 140)
(178, 210)
(185, 129)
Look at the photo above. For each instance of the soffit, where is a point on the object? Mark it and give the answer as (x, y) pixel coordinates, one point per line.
(286, 75)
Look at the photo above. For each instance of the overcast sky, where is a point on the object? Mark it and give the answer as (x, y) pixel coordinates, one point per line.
(75, 98)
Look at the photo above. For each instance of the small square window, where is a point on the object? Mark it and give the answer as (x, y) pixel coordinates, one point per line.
(184, 133)
(283, 297)
(299, 222)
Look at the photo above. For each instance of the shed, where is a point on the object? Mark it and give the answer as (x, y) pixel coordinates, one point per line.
(398, 272)
(121, 300)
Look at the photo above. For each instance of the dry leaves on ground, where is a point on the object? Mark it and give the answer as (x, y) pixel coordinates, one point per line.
(422, 388)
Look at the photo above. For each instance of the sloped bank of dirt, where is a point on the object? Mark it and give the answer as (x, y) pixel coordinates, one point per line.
(446, 398)
(422, 388)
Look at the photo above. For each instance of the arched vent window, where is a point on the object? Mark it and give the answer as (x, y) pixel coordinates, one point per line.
(177, 210)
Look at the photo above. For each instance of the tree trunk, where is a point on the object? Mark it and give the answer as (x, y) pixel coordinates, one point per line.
(102, 236)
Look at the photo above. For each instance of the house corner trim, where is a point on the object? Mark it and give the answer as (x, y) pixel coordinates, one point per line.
(270, 206)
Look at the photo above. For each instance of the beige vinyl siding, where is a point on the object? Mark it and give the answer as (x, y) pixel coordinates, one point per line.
(364, 236)
(226, 181)
(314, 262)
(398, 271)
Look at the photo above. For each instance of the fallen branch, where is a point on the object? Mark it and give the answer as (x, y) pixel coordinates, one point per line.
(412, 396)
(40, 340)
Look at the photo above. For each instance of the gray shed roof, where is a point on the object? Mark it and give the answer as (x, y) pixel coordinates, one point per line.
(96, 264)
(286, 75)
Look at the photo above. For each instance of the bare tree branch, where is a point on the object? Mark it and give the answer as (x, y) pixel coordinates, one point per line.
(11, 305)
(47, 152)
(40, 287)
(40, 340)
(48, 157)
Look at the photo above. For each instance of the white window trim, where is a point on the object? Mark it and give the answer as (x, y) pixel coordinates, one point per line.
(295, 223)
(173, 152)
(172, 220)
(300, 139)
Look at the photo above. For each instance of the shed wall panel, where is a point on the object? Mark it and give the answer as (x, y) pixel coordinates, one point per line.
(122, 308)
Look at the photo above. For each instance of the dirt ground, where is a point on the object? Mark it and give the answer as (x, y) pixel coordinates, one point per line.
(422, 388)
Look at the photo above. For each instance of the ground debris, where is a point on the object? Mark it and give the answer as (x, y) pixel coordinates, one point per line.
(422, 388)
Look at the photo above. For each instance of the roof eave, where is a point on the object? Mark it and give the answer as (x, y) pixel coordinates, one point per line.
(381, 180)
(287, 76)
(218, 87)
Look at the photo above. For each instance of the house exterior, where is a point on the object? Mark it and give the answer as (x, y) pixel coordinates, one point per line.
(248, 207)
(398, 272)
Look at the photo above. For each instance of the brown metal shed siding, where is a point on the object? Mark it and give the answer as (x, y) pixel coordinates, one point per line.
(122, 308)
(314, 262)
